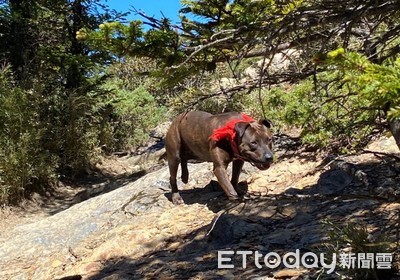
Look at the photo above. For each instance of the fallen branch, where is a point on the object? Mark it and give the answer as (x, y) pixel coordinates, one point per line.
(379, 154)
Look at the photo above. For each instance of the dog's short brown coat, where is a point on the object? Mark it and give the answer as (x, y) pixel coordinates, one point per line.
(189, 138)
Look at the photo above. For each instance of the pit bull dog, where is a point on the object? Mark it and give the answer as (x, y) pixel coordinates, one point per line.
(221, 139)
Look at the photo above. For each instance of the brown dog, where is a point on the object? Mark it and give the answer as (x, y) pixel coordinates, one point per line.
(220, 139)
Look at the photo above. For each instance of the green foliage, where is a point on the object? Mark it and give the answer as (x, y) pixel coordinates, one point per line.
(377, 84)
(231, 13)
(342, 104)
(75, 138)
(54, 112)
(356, 236)
(121, 40)
(24, 163)
(172, 46)
(113, 35)
(326, 112)
(134, 112)
(358, 239)
(134, 104)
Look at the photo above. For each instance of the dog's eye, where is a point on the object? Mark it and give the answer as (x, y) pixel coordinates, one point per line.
(253, 144)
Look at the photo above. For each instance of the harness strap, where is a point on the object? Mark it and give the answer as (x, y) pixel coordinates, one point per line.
(228, 132)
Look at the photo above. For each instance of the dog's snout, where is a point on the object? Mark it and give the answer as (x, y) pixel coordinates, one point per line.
(268, 156)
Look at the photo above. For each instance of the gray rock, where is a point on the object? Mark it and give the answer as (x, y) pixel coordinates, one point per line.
(135, 232)
(333, 182)
(229, 228)
(83, 221)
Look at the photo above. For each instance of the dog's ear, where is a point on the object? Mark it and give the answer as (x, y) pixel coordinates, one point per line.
(265, 122)
(240, 128)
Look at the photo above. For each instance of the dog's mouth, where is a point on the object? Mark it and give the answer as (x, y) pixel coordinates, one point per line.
(262, 166)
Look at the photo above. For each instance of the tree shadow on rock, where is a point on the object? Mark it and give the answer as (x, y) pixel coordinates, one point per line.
(210, 195)
(292, 220)
(90, 187)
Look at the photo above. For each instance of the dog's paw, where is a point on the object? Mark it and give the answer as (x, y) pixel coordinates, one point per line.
(177, 199)
(233, 198)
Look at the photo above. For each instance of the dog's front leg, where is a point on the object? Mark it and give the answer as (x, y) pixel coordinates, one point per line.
(236, 169)
(221, 159)
(222, 176)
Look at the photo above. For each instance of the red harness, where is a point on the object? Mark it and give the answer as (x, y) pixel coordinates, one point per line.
(228, 132)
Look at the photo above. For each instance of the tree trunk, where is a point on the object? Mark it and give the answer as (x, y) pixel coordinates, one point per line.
(23, 47)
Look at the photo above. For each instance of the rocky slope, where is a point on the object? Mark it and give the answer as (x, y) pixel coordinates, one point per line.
(133, 231)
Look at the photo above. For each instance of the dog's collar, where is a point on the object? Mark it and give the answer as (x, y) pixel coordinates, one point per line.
(228, 132)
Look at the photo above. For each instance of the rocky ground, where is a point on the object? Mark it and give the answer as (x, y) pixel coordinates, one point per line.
(122, 225)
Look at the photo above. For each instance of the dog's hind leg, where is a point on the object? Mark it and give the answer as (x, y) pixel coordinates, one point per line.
(172, 147)
(185, 171)
(173, 164)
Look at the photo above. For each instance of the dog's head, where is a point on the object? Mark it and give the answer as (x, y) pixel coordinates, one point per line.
(254, 142)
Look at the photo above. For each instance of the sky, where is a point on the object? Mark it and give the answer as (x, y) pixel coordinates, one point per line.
(170, 8)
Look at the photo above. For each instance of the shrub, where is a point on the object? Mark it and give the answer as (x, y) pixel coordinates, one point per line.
(326, 111)
(357, 238)
(24, 164)
(133, 113)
